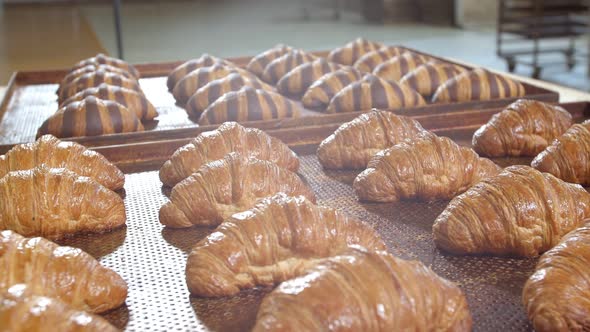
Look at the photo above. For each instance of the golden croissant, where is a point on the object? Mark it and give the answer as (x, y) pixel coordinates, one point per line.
(426, 78)
(91, 69)
(56, 202)
(65, 273)
(259, 62)
(319, 94)
(369, 61)
(52, 152)
(280, 66)
(362, 290)
(22, 311)
(101, 59)
(94, 79)
(352, 51)
(196, 79)
(426, 167)
(395, 68)
(374, 92)
(216, 144)
(274, 241)
(354, 143)
(223, 187)
(520, 212)
(184, 69)
(296, 82)
(556, 295)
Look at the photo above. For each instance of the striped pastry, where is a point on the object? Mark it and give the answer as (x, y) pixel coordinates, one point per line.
(90, 69)
(95, 79)
(295, 82)
(90, 117)
(101, 59)
(259, 62)
(280, 66)
(395, 68)
(184, 69)
(477, 84)
(249, 104)
(319, 94)
(351, 52)
(373, 92)
(369, 61)
(426, 78)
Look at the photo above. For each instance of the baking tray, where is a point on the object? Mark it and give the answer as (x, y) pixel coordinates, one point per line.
(152, 258)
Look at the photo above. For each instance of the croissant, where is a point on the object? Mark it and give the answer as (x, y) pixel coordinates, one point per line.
(21, 311)
(52, 152)
(249, 104)
(361, 290)
(65, 273)
(216, 144)
(369, 61)
(196, 79)
(523, 128)
(280, 66)
(319, 94)
(556, 295)
(296, 82)
(354, 143)
(426, 78)
(91, 69)
(259, 62)
(395, 68)
(274, 241)
(94, 79)
(373, 92)
(56, 202)
(221, 188)
(477, 84)
(90, 117)
(352, 51)
(184, 69)
(520, 212)
(101, 59)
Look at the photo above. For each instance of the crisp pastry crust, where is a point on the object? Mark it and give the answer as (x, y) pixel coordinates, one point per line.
(426, 78)
(101, 59)
(94, 79)
(198, 78)
(352, 51)
(319, 94)
(72, 75)
(369, 61)
(395, 68)
(280, 66)
(184, 69)
(296, 81)
(259, 62)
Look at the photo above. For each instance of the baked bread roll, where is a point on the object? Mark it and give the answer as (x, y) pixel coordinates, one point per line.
(64, 273)
(53, 153)
(227, 186)
(354, 143)
(362, 290)
(369, 61)
(352, 51)
(197, 79)
(426, 78)
(259, 62)
(395, 68)
(520, 212)
(477, 84)
(184, 69)
(296, 82)
(72, 75)
(101, 59)
(319, 94)
(556, 295)
(56, 202)
(249, 104)
(523, 128)
(94, 79)
(373, 92)
(274, 241)
(280, 66)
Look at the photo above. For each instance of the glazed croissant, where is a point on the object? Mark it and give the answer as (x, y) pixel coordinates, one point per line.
(196, 79)
(101, 59)
(296, 82)
(373, 92)
(354, 143)
(274, 241)
(280, 66)
(520, 212)
(91, 69)
(56, 202)
(369, 61)
(426, 78)
(52, 152)
(395, 68)
(361, 290)
(65, 273)
(556, 295)
(184, 69)
(94, 79)
(223, 187)
(428, 168)
(319, 94)
(352, 51)
(259, 62)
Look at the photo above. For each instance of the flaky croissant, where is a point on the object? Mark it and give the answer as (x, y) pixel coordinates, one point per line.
(184, 69)
(520, 212)
(91, 69)
(280, 66)
(258, 63)
(65, 273)
(223, 187)
(426, 78)
(296, 81)
(101, 59)
(197, 79)
(524, 128)
(369, 61)
(395, 68)
(319, 94)
(274, 241)
(94, 79)
(362, 290)
(354, 143)
(352, 51)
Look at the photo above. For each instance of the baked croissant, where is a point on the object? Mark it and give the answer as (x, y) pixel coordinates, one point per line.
(296, 82)
(101, 59)
(280, 66)
(373, 92)
(361, 290)
(426, 78)
(556, 295)
(196, 79)
(21, 311)
(523, 128)
(249, 104)
(354, 143)
(90, 117)
(352, 51)
(91, 69)
(259, 62)
(216, 144)
(427, 167)
(223, 187)
(65, 273)
(52, 152)
(56, 202)
(94, 79)
(369, 61)
(184, 69)
(477, 84)
(520, 212)
(274, 241)
(395, 68)
(319, 94)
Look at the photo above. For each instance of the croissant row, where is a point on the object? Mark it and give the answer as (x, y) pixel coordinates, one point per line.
(196, 79)
(351, 52)
(259, 62)
(395, 68)
(94, 79)
(295, 82)
(101, 59)
(72, 75)
(280, 66)
(184, 69)
(426, 78)
(319, 94)
(369, 61)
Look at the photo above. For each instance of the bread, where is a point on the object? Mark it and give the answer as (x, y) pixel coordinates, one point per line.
(274, 241)
(94, 79)
(72, 75)
(184, 69)
(280, 66)
(362, 290)
(523, 128)
(296, 82)
(101, 59)
(520, 212)
(319, 94)
(197, 79)
(369, 61)
(352, 51)
(395, 68)
(258, 63)
(216, 144)
(221, 188)
(426, 78)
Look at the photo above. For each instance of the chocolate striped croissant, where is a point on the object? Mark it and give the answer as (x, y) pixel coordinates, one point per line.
(90, 117)
(276, 240)
(197, 79)
(296, 82)
(426, 78)
(94, 79)
(369, 61)
(477, 84)
(520, 212)
(249, 104)
(227, 186)
(319, 94)
(395, 68)
(186, 68)
(280, 66)
(352, 51)
(101, 59)
(259, 62)
(91, 69)
(373, 92)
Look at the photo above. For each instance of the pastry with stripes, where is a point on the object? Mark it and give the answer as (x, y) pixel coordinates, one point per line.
(91, 69)
(101, 59)
(395, 68)
(426, 78)
(94, 79)
(296, 82)
(259, 62)
(184, 69)
(351, 52)
(319, 94)
(280, 66)
(369, 61)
